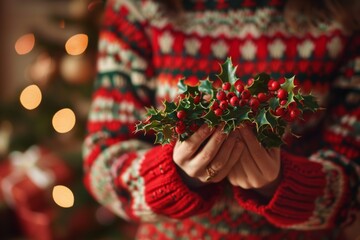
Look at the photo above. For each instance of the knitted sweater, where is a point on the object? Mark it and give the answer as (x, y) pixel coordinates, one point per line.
(143, 53)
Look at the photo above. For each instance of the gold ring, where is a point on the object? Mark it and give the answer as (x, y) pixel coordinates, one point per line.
(211, 173)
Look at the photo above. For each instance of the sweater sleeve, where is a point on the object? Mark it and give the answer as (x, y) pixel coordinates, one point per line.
(136, 180)
(319, 191)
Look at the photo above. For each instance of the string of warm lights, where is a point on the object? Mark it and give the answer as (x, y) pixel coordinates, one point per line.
(63, 120)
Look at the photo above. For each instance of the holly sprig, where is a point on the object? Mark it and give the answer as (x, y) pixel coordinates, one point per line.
(265, 104)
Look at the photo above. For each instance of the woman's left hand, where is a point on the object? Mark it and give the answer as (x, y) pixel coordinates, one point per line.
(258, 168)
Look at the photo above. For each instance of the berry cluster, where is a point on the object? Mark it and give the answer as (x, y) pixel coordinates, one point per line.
(261, 102)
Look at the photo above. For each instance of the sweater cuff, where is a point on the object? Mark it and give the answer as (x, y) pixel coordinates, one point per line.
(165, 192)
(294, 201)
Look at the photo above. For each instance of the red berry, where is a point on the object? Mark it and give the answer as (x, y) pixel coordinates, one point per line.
(180, 127)
(226, 86)
(274, 86)
(239, 86)
(282, 94)
(246, 94)
(218, 112)
(283, 102)
(243, 102)
(215, 105)
(234, 101)
(221, 95)
(250, 81)
(292, 105)
(294, 113)
(223, 104)
(269, 83)
(262, 97)
(182, 96)
(181, 114)
(254, 103)
(197, 99)
(279, 111)
(230, 95)
(282, 80)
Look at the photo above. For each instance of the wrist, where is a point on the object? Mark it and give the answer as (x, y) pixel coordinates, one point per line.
(268, 190)
(190, 182)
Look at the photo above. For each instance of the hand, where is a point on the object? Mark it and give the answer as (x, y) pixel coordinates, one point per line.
(207, 150)
(258, 167)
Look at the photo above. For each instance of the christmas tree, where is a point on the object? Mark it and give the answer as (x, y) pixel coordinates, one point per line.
(48, 64)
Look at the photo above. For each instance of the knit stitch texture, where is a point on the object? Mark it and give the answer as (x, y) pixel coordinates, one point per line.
(143, 53)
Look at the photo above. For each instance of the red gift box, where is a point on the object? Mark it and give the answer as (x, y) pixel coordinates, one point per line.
(26, 181)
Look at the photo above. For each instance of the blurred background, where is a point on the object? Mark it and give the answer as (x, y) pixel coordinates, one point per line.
(47, 68)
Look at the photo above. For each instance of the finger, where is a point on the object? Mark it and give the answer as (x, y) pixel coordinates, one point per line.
(237, 176)
(226, 159)
(186, 150)
(201, 160)
(222, 156)
(260, 155)
(254, 175)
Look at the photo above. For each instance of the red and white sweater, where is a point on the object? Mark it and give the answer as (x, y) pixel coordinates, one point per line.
(142, 55)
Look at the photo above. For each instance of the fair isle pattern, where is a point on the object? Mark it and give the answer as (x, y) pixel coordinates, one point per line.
(326, 205)
(142, 55)
(135, 185)
(102, 178)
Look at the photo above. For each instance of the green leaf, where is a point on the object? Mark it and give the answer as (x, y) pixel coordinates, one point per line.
(274, 103)
(241, 114)
(269, 139)
(260, 83)
(272, 119)
(211, 119)
(310, 103)
(169, 107)
(151, 111)
(288, 85)
(261, 119)
(160, 138)
(206, 87)
(168, 132)
(182, 86)
(229, 126)
(228, 72)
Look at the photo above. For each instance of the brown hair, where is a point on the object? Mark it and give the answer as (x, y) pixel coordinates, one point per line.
(300, 14)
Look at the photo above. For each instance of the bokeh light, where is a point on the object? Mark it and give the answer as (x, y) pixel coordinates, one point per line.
(25, 44)
(64, 120)
(63, 196)
(31, 97)
(77, 44)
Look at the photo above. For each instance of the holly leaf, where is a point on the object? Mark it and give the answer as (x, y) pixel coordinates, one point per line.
(269, 139)
(310, 103)
(160, 138)
(211, 119)
(261, 119)
(151, 111)
(229, 126)
(241, 114)
(288, 85)
(167, 132)
(227, 72)
(259, 84)
(169, 107)
(206, 87)
(274, 103)
(186, 89)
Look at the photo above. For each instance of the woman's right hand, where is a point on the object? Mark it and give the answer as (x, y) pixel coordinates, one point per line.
(207, 156)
